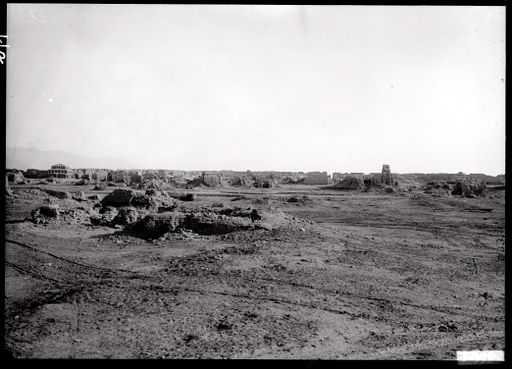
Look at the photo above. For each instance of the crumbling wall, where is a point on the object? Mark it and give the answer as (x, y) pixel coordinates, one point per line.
(212, 180)
(350, 183)
(16, 178)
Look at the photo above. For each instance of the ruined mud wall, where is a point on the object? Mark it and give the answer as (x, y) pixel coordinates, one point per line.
(316, 178)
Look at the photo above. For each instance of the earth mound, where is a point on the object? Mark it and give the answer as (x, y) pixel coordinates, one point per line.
(468, 189)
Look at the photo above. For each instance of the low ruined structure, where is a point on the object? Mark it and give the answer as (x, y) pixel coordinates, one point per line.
(316, 178)
(212, 179)
(135, 177)
(265, 183)
(15, 177)
(350, 183)
(118, 176)
(339, 177)
(91, 174)
(386, 175)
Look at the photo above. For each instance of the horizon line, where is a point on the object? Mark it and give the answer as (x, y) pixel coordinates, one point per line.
(259, 171)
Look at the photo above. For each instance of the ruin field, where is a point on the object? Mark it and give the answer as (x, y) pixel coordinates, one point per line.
(296, 272)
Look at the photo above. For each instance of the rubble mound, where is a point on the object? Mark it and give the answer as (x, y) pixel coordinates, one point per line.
(389, 189)
(108, 213)
(167, 205)
(58, 194)
(439, 185)
(153, 192)
(437, 188)
(153, 226)
(155, 184)
(125, 216)
(143, 201)
(242, 181)
(45, 211)
(349, 183)
(468, 189)
(16, 178)
(214, 224)
(212, 180)
(205, 222)
(108, 209)
(118, 198)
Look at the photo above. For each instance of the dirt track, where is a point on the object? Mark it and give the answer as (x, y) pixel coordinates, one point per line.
(354, 276)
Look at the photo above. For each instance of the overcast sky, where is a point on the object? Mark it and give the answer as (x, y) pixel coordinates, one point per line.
(298, 88)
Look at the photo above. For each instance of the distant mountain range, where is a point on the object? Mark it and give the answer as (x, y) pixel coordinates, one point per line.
(28, 158)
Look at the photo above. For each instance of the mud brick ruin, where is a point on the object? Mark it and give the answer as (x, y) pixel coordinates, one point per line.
(386, 175)
(316, 178)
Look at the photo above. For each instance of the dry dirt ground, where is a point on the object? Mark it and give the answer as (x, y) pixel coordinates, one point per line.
(351, 276)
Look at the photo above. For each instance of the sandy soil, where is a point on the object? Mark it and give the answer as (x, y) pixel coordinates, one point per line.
(350, 276)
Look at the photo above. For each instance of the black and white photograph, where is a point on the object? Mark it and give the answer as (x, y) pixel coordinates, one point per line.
(221, 181)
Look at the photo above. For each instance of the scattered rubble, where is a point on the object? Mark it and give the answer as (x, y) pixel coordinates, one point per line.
(15, 177)
(125, 216)
(118, 198)
(349, 183)
(468, 189)
(153, 226)
(143, 201)
(45, 211)
(202, 221)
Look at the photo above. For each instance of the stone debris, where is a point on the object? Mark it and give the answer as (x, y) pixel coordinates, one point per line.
(143, 201)
(205, 222)
(45, 211)
(15, 178)
(153, 226)
(125, 216)
(118, 198)
(349, 183)
(468, 189)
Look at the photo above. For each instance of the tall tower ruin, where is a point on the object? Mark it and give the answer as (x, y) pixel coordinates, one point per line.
(386, 175)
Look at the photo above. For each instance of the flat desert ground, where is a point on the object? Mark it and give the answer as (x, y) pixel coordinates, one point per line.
(343, 275)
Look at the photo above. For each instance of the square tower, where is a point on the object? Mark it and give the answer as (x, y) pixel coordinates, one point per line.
(386, 175)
